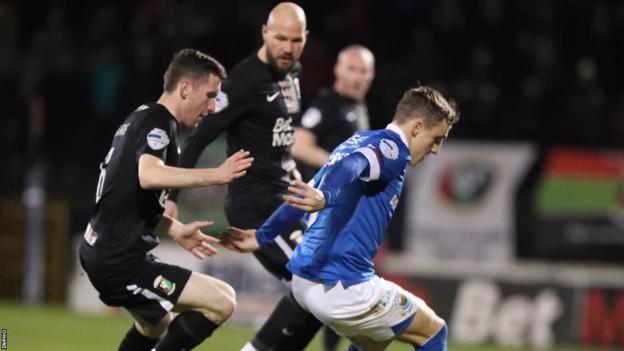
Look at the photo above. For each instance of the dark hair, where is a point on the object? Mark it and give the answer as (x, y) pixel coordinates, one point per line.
(193, 64)
(428, 103)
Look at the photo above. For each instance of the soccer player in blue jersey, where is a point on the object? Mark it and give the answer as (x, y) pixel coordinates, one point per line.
(347, 207)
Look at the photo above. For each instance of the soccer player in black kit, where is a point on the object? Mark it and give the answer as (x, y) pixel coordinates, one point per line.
(335, 115)
(259, 101)
(135, 178)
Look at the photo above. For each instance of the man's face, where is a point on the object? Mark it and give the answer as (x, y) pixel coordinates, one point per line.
(354, 74)
(427, 141)
(284, 42)
(199, 98)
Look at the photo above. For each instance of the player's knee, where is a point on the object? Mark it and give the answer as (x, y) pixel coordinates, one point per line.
(224, 306)
(437, 342)
(444, 331)
(437, 324)
(154, 331)
(229, 298)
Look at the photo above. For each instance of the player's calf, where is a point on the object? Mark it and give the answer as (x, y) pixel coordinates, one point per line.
(153, 331)
(143, 335)
(134, 340)
(186, 331)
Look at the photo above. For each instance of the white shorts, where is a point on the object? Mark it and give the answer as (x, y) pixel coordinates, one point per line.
(376, 308)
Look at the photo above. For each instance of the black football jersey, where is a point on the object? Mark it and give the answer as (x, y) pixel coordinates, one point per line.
(332, 118)
(256, 109)
(125, 214)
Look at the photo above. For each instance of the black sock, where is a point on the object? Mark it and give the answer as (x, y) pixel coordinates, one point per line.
(289, 328)
(330, 339)
(186, 331)
(135, 341)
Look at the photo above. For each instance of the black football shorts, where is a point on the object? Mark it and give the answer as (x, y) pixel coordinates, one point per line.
(148, 288)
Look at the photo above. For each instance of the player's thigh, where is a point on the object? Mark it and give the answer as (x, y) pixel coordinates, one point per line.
(425, 324)
(213, 297)
(367, 344)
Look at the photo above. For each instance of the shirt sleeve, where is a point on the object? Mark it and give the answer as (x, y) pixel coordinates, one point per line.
(154, 136)
(282, 217)
(341, 174)
(336, 178)
(312, 120)
(384, 157)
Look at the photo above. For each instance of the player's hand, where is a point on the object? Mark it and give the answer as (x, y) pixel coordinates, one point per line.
(191, 238)
(234, 167)
(239, 240)
(171, 209)
(305, 197)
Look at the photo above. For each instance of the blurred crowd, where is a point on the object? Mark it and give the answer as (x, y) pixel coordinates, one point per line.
(70, 71)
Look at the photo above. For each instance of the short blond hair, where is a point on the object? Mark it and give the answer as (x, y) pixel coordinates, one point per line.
(426, 102)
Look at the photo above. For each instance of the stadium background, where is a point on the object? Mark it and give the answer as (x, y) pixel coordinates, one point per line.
(522, 214)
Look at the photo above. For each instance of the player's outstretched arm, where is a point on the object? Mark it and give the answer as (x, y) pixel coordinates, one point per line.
(239, 240)
(171, 209)
(305, 197)
(309, 199)
(189, 236)
(250, 240)
(154, 174)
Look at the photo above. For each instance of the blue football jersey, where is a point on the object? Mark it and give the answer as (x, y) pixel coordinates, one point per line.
(341, 240)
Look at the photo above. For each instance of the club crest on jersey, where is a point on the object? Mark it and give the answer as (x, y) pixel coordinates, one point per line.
(221, 102)
(292, 96)
(389, 149)
(165, 285)
(157, 139)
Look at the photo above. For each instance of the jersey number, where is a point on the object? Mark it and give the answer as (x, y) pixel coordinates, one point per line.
(103, 165)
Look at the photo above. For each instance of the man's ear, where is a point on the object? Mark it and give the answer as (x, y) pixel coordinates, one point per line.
(418, 125)
(265, 32)
(185, 89)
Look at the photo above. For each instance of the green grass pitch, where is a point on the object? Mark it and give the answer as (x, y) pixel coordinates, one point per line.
(54, 328)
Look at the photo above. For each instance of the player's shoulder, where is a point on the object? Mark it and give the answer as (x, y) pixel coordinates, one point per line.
(389, 142)
(248, 69)
(319, 108)
(385, 144)
(244, 76)
(150, 114)
(326, 98)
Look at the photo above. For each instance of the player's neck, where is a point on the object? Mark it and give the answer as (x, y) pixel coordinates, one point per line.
(168, 102)
(342, 91)
(262, 55)
(405, 128)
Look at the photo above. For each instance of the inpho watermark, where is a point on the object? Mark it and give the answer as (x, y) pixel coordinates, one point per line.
(4, 339)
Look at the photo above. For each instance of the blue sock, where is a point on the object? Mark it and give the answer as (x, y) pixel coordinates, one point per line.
(352, 348)
(436, 343)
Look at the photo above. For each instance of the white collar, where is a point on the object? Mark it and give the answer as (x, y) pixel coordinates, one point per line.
(393, 127)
